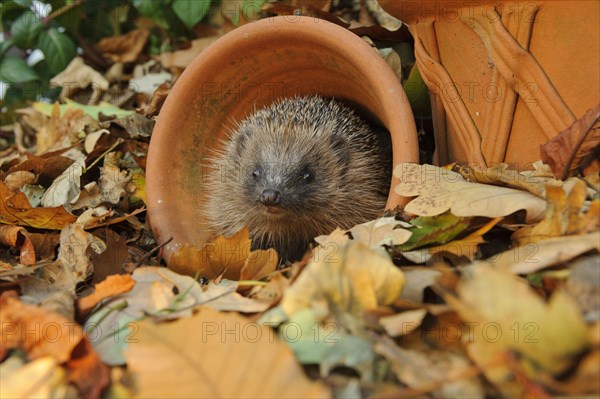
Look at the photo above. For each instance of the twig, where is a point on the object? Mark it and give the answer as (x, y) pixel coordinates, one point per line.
(63, 10)
(152, 252)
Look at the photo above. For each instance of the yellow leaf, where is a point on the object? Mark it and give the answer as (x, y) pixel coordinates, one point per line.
(354, 278)
(505, 314)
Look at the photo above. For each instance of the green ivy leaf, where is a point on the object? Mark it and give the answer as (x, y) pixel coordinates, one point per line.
(149, 8)
(438, 229)
(158, 11)
(417, 93)
(4, 46)
(16, 70)
(191, 11)
(58, 49)
(23, 3)
(26, 29)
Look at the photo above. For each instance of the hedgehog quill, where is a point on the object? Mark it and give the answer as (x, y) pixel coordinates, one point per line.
(294, 170)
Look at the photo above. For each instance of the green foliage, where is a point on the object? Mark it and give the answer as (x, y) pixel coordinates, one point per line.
(191, 11)
(25, 30)
(72, 23)
(16, 70)
(58, 49)
(438, 229)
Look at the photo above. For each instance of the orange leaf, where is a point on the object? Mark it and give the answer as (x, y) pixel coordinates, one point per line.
(36, 331)
(87, 372)
(224, 256)
(228, 356)
(15, 209)
(17, 237)
(259, 264)
(112, 286)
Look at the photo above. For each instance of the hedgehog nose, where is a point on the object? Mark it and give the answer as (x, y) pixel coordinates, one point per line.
(270, 198)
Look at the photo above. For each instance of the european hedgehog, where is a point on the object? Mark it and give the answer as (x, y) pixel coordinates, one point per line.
(294, 170)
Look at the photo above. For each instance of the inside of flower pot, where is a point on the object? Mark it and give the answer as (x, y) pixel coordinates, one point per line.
(248, 69)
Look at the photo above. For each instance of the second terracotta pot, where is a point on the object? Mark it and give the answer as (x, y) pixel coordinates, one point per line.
(505, 76)
(247, 69)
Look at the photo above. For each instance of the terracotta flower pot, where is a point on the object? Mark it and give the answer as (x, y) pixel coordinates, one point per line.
(506, 75)
(247, 69)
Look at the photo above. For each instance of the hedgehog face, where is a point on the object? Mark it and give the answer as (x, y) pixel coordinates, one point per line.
(293, 182)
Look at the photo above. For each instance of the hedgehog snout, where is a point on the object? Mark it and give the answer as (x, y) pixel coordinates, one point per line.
(270, 197)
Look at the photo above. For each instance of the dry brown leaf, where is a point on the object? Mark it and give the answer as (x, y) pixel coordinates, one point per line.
(417, 279)
(382, 231)
(65, 187)
(403, 323)
(565, 152)
(45, 244)
(394, 61)
(112, 286)
(377, 32)
(100, 220)
(337, 239)
(132, 126)
(124, 48)
(15, 180)
(17, 237)
(78, 76)
(15, 209)
(445, 374)
(503, 174)
(161, 294)
(564, 215)
(182, 58)
(536, 256)
(584, 380)
(61, 131)
(439, 190)
(310, 8)
(47, 167)
(157, 101)
(215, 362)
(110, 189)
(87, 372)
(273, 291)
(113, 260)
(40, 378)
(55, 285)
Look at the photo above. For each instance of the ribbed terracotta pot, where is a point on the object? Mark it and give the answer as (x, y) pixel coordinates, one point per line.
(247, 69)
(506, 75)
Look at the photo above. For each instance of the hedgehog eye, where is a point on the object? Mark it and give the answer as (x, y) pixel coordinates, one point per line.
(307, 176)
(256, 174)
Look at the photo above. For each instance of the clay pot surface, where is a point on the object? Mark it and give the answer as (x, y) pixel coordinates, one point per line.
(247, 69)
(507, 75)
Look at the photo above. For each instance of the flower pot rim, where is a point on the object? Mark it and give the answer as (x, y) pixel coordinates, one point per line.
(383, 86)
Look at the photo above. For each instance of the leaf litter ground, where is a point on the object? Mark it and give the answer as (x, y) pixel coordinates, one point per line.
(486, 285)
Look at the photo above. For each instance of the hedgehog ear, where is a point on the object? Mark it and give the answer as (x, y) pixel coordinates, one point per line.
(341, 147)
(239, 141)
